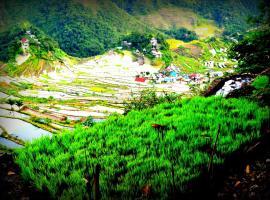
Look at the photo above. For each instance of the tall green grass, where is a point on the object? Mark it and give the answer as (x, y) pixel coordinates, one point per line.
(133, 154)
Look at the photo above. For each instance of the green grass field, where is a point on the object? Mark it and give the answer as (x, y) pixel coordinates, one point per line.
(133, 154)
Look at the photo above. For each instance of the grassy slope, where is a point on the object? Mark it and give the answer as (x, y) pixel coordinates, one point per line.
(132, 154)
(168, 17)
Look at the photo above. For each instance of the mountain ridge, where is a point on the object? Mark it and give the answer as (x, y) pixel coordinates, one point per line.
(89, 27)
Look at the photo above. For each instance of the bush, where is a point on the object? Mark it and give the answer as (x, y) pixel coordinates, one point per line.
(261, 82)
(182, 34)
(44, 121)
(262, 90)
(147, 99)
(89, 121)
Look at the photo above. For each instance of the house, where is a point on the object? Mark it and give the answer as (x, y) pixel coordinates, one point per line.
(173, 74)
(154, 42)
(195, 77)
(140, 79)
(25, 44)
(156, 53)
(221, 65)
(24, 40)
(209, 64)
(213, 52)
(126, 44)
(216, 74)
(140, 60)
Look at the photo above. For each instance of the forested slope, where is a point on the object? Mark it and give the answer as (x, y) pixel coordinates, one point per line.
(89, 27)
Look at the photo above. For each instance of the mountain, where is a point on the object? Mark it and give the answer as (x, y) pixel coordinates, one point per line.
(84, 28)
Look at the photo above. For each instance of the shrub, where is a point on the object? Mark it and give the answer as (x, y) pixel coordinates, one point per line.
(89, 121)
(147, 99)
(261, 82)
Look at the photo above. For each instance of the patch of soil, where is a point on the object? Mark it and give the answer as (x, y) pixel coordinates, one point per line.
(12, 186)
(251, 179)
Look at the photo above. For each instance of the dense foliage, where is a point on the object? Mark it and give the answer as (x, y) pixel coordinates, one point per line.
(10, 41)
(82, 28)
(182, 34)
(253, 52)
(262, 89)
(133, 154)
(142, 43)
(85, 28)
(149, 98)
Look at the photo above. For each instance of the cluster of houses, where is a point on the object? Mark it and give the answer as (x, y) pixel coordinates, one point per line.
(140, 54)
(171, 74)
(212, 64)
(25, 41)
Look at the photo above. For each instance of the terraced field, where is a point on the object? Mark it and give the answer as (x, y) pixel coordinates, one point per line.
(94, 87)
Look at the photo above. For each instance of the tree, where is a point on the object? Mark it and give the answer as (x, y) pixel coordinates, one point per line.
(253, 52)
(182, 34)
(89, 121)
(11, 102)
(19, 103)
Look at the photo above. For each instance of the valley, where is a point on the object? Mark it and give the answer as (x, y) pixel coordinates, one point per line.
(96, 87)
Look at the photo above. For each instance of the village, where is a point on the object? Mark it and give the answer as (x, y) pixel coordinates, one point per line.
(173, 73)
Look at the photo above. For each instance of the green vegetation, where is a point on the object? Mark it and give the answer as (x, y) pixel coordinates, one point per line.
(142, 42)
(190, 57)
(133, 153)
(262, 90)
(182, 34)
(261, 82)
(149, 98)
(86, 28)
(44, 121)
(253, 51)
(89, 121)
(82, 28)
(42, 54)
(229, 14)
(10, 45)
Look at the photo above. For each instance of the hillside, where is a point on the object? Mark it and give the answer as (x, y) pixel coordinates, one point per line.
(26, 50)
(89, 27)
(82, 28)
(230, 14)
(176, 17)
